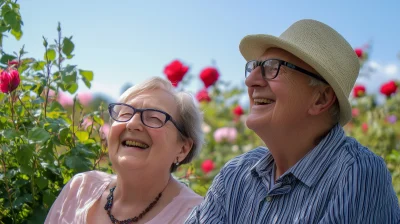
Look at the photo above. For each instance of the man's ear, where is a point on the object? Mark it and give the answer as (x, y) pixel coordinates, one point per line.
(185, 148)
(324, 98)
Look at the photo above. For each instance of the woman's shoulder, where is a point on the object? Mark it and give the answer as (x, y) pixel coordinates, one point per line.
(187, 192)
(180, 207)
(90, 179)
(186, 198)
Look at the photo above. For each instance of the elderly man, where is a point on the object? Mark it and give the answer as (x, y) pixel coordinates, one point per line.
(310, 172)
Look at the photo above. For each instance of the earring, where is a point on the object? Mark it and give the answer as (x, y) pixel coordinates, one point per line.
(177, 161)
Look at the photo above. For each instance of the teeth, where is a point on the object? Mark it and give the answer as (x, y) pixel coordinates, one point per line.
(262, 101)
(135, 144)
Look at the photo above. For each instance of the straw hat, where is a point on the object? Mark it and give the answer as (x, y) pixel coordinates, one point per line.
(322, 48)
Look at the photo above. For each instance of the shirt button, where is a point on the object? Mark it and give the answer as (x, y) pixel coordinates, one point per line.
(269, 198)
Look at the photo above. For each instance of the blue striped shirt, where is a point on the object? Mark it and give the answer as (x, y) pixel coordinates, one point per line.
(339, 181)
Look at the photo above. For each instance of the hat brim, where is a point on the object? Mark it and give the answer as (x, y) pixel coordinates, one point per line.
(253, 46)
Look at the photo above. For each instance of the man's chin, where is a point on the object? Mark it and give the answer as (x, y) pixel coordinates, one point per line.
(255, 122)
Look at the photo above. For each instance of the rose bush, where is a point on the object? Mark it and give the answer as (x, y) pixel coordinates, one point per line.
(43, 142)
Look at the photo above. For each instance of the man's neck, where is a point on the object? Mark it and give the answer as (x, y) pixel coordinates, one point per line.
(288, 148)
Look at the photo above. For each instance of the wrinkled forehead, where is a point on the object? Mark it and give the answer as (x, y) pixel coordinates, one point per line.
(159, 99)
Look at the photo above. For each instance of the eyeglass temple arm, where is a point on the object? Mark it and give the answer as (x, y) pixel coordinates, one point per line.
(292, 66)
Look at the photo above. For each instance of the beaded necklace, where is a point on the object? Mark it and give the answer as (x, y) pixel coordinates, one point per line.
(109, 204)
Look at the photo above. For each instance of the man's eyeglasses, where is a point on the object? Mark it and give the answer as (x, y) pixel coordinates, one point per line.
(270, 69)
(151, 118)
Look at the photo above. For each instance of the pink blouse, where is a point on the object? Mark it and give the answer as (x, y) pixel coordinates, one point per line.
(83, 190)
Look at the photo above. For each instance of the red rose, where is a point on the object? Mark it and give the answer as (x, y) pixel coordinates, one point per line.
(9, 81)
(238, 110)
(202, 95)
(175, 72)
(388, 88)
(207, 165)
(359, 52)
(13, 62)
(358, 91)
(364, 127)
(209, 76)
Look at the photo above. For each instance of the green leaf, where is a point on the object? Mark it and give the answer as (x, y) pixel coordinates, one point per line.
(42, 182)
(86, 74)
(39, 215)
(78, 163)
(82, 135)
(83, 151)
(24, 156)
(69, 68)
(4, 29)
(11, 18)
(16, 34)
(48, 198)
(50, 55)
(72, 88)
(11, 133)
(6, 8)
(70, 78)
(38, 66)
(98, 120)
(46, 152)
(6, 58)
(64, 136)
(26, 198)
(68, 46)
(87, 83)
(38, 135)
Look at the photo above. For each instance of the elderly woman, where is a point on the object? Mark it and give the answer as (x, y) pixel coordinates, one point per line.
(154, 130)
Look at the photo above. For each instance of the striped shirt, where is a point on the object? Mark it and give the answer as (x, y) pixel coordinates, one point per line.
(339, 181)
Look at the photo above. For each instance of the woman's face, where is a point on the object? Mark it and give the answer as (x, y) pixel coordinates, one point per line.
(135, 147)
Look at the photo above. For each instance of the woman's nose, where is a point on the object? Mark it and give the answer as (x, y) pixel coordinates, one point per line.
(135, 123)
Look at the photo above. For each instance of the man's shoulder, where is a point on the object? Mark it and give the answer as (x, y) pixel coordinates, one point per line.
(247, 160)
(358, 156)
(356, 151)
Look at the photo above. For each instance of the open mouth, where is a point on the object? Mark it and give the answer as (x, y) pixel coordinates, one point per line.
(130, 143)
(263, 101)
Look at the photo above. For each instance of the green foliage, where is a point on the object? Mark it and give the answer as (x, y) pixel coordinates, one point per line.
(43, 144)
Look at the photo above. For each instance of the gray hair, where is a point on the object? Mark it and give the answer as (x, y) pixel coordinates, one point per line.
(334, 110)
(189, 117)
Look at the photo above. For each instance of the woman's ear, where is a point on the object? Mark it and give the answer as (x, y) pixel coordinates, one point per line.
(324, 98)
(185, 148)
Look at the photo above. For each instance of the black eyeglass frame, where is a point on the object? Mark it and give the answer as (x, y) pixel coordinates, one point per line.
(285, 63)
(136, 110)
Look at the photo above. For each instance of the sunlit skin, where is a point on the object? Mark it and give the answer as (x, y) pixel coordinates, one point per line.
(297, 117)
(143, 173)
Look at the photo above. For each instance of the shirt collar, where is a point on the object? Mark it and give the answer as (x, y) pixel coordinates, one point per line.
(264, 166)
(311, 167)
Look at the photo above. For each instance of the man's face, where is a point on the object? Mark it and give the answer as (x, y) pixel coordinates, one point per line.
(281, 103)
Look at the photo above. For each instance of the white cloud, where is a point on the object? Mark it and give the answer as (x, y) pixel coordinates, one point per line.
(374, 74)
(390, 69)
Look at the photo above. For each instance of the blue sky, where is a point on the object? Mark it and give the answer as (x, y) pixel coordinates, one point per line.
(127, 41)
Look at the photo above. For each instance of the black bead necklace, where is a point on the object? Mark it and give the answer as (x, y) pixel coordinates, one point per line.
(109, 204)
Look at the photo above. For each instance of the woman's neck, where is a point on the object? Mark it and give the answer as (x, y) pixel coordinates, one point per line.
(138, 189)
